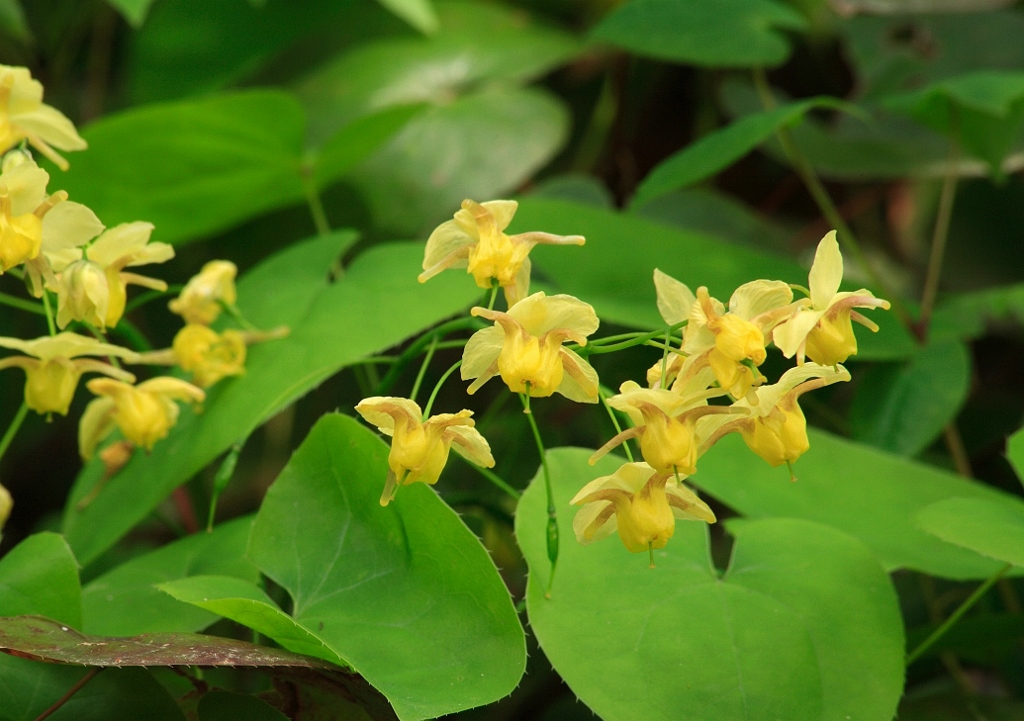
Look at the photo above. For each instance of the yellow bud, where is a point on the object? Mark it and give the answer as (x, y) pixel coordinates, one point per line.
(208, 355)
(832, 341)
(420, 449)
(780, 436)
(530, 359)
(83, 294)
(50, 386)
(200, 300)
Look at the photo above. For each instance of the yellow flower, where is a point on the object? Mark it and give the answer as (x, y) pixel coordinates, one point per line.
(638, 502)
(208, 355)
(94, 287)
(476, 240)
(775, 428)
(419, 449)
(54, 368)
(23, 116)
(525, 347)
(822, 329)
(36, 228)
(201, 298)
(145, 413)
(6, 505)
(666, 425)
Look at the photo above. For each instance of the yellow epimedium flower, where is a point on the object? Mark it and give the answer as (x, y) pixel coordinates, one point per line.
(666, 425)
(53, 367)
(524, 346)
(822, 329)
(638, 502)
(35, 227)
(93, 287)
(209, 355)
(476, 240)
(145, 413)
(24, 116)
(419, 448)
(202, 298)
(775, 428)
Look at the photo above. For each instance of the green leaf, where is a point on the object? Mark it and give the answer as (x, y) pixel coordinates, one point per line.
(125, 602)
(244, 603)
(620, 284)
(374, 305)
(418, 13)
(40, 576)
(191, 168)
(358, 140)
(713, 33)
(134, 11)
(406, 594)
(993, 528)
(903, 408)
(804, 624)
(721, 148)
(12, 20)
(969, 315)
(865, 492)
(1015, 452)
(230, 706)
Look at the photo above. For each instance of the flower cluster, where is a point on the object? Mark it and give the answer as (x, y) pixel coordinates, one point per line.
(707, 384)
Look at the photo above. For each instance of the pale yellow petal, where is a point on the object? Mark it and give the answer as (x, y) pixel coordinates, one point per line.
(521, 287)
(173, 388)
(52, 126)
(447, 247)
(539, 314)
(472, 446)
(579, 382)
(790, 335)
(675, 299)
(769, 396)
(67, 345)
(594, 522)
(69, 225)
(687, 506)
(96, 424)
(382, 411)
(502, 210)
(25, 182)
(759, 296)
(126, 239)
(482, 351)
(826, 271)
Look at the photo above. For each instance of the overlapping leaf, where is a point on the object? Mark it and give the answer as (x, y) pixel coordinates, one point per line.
(40, 575)
(993, 528)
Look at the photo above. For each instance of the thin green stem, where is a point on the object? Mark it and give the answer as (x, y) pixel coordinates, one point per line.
(49, 312)
(316, 207)
(957, 614)
(664, 367)
(494, 478)
(12, 429)
(423, 369)
(437, 387)
(552, 526)
(604, 393)
(494, 294)
(419, 345)
(151, 295)
(941, 232)
(637, 339)
(21, 304)
(824, 202)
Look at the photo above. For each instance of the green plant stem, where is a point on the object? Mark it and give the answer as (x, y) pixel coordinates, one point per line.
(957, 451)
(131, 333)
(12, 429)
(437, 387)
(151, 295)
(89, 675)
(823, 200)
(957, 614)
(418, 346)
(941, 232)
(604, 393)
(21, 304)
(637, 339)
(494, 294)
(494, 478)
(423, 368)
(49, 312)
(316, 207)
(552, 527)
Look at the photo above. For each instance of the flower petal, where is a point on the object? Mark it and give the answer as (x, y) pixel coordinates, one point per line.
(447, 247)
(502, 210)
(67, 345)
(122, 240)
(173, 388)
(468, 443)
(482, 351)
(790, 335)
(96, 424)
(675, 299)
(580, 382)
(826, 271)
(759, 296)
(69, 225)
(383, 411)
(539, 314)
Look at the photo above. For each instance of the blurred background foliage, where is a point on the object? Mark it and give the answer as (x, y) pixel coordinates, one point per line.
(223, 121)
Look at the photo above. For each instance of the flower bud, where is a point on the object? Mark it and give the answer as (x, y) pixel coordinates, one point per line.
(200, 300)
(83, 294)
(209, 355)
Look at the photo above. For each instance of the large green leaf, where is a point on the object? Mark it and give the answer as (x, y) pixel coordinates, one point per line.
(40, 576)
(714, 33)
(863, 491)
(134, 11)
(804, 624)
(992, 528)
(968, 315)
(720, 149)
(405, 594)
(125, 602)
(614, 270)
(1015, 452)
(904, 407)
(374, 305)
(418, 13)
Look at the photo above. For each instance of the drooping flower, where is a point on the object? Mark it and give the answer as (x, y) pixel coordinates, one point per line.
(639, 503)
(93, 287)
(775, 428)
(53, 367)
(476, 240)
(524, 346)
(202, 298)
(822, 330)
(36, 228)
(666, 425)
(24, 116)
(419, 448)
(145, 413)
(209, 355)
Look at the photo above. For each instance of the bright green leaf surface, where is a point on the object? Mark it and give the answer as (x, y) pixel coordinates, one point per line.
(134, 11)
(229, 706)
(992, 528)
(418, 13)
(374, 305)
(720, 149)
(39, 576)
(858, 489)
(388, 588)
(715, 33)
(243, 602)
(357, 140)
(1015, 452)
(903, 408)
(194, 167)
(125, 602)
(28, 688)
(614, 270)
(803, 625)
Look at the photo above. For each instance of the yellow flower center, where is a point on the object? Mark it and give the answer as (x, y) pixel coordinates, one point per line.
(738, 339)
(144, 417)
(832, 341)
(668, 444)
(531, 359)
(419, 449)
(732, 375)
(646, 520)
(780, 436)
(50, 386)
(84, 294)
(208, 355)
